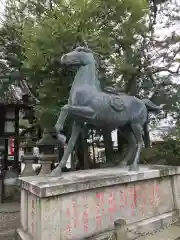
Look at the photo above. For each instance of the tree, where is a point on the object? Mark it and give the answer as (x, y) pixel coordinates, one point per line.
(111, 30)
(56, 32)
(121, 33)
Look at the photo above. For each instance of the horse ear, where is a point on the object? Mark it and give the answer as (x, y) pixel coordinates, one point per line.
(85, 44)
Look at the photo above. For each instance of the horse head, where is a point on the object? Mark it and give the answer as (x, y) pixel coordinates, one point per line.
(81, 56)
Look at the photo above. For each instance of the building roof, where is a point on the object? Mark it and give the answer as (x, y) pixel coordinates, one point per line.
(18, 95)
(13, 96)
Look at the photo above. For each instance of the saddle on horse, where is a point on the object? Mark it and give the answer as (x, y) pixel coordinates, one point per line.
(114, 90)
(115, 102)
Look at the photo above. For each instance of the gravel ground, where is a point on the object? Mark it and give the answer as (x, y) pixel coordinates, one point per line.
(9, 219)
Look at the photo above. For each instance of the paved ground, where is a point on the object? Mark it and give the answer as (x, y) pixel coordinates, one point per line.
(9, 220)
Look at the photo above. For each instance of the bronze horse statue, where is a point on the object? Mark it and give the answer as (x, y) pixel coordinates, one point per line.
(87, 103)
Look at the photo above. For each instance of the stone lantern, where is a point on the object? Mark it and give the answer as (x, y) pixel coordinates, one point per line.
(28, 159)
(46, 147)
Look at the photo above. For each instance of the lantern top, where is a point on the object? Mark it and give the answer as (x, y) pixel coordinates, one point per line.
(47, 140)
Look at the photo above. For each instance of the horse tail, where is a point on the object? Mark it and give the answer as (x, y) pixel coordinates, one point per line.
(151, 107)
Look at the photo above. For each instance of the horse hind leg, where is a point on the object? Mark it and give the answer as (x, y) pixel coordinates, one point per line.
(137, 130)
(129, 158)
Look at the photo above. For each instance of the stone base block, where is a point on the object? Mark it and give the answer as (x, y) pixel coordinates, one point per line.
(85, 204)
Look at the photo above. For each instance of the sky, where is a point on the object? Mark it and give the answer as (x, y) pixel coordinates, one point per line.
(162, 32)
(2, 3)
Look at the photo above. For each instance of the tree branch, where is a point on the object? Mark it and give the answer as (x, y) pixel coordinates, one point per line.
(27, 90)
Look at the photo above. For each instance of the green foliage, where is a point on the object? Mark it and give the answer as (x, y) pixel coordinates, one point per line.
(119, 31)
(35, 34)
(108, 27)
(166, 151)
(11, 51)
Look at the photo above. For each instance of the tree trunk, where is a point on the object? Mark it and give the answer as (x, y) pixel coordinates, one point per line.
(121, 142)
(82, 151)
(93, 150)
(108, 146)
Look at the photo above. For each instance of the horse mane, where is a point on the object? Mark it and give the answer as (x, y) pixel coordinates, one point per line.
(83, 49)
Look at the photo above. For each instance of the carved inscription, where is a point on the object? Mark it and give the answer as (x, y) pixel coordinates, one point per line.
(123, 201)
(99, 209)
(33, 213)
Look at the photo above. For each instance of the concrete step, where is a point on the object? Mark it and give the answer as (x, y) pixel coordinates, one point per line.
(171, 233)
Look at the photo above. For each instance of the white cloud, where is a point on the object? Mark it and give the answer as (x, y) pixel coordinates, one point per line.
(2, 4)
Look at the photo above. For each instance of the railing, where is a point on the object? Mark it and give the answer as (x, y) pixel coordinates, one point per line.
(122, 232)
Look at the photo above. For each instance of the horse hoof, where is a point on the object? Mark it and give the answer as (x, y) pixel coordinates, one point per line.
(133, 168)
(56, 173)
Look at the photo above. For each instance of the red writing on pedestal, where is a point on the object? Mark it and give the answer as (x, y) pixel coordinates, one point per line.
(85, 216)
(154, 195)
(111, 205)
(99, 209)
(135, 199)
(68, 229)
(142, 197)
(75, 214)
(123, 199)
(133, 203)
(68, 213)
(32, 215)
(68, 225)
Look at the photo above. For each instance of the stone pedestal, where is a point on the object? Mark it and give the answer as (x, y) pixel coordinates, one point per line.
(83, 204)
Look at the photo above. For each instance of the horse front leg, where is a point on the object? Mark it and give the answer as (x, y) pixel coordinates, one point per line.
(76, 129)
(137, 130)
(60, 124)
